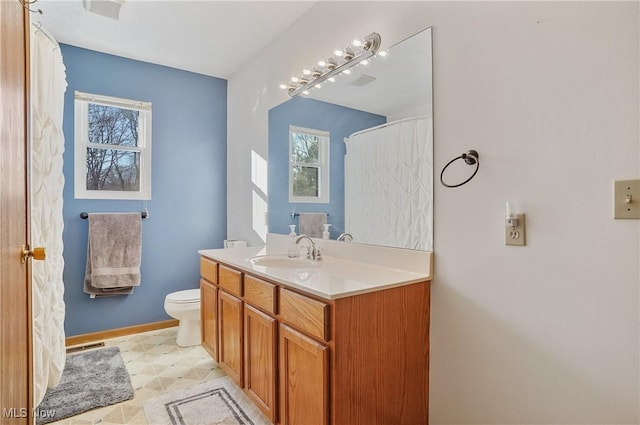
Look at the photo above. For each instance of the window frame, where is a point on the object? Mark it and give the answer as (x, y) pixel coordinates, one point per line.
(322, 165)
(81, 144)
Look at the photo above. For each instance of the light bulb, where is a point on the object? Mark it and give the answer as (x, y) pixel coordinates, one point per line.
(348, 54)
(322, 63)
(306, 72)
(383, 53)
(365, 62)
(318, 86)
(338, 53)
(356, 43)
(346, 71)
(331, 79)
(283, 86)
(294, 79)
(305, 92)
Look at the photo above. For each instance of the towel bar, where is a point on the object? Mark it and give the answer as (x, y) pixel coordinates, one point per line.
(296, 214)
(85, 215)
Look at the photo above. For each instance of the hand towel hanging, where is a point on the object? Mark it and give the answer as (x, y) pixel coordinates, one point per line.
(113, 254)
(312, 224)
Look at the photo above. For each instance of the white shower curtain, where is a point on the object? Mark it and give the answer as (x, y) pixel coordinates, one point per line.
(389, 184)
(48, 84)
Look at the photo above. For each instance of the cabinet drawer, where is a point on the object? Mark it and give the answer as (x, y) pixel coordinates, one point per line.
(230, 280)
(209, 270)
(304, 313)
(260, 294)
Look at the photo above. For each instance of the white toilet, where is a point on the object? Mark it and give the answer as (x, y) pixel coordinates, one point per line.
(185, 306)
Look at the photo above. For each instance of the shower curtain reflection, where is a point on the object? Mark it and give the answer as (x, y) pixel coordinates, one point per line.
(389, 184)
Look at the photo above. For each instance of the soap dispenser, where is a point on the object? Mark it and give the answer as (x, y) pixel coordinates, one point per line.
(292, 251)
(325, 234)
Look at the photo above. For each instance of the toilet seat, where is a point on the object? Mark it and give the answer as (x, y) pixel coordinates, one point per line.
(184, 297)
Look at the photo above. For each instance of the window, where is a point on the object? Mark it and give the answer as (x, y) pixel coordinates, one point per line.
(112, 148)
(308, 165)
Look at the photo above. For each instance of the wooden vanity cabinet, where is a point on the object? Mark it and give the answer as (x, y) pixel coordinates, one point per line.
(380, 357)
(304, 360)
(260, 358)
(304, 375)
(260, 344)
(231, 336)
(209, 306)
(230, 324)
(306, 314)
(209, 317)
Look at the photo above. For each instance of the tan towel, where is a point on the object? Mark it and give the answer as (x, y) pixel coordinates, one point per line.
(312, 224)
(113, 254)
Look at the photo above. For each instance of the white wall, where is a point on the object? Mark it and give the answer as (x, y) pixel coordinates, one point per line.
(548, 95)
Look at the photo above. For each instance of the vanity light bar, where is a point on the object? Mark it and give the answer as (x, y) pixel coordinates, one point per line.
(325, 70)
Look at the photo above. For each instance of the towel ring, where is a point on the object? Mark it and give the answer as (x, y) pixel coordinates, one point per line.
(470, 157)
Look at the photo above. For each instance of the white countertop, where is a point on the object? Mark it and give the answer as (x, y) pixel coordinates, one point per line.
(332, 277)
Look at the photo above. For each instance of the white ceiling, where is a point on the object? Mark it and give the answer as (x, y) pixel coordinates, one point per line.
(208, 37)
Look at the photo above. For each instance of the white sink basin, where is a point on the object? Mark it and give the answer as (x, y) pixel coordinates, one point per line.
(282, 261)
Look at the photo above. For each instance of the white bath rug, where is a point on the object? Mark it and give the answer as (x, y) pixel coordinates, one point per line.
(217, 402)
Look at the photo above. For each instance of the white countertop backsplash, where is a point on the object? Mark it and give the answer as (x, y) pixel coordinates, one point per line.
(346, 268)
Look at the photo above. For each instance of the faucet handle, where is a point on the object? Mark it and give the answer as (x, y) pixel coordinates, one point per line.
(346, 237)
(318, 256)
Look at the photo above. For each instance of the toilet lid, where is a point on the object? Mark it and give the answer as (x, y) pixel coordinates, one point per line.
(187, 296)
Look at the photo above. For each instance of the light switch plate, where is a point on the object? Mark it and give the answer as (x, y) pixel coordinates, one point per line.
(516, 235)
(626, 199)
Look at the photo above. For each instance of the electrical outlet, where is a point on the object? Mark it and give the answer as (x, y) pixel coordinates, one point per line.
(626, 199)
(516, 235)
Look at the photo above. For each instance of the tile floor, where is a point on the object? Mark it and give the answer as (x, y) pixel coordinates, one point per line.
(156, 365)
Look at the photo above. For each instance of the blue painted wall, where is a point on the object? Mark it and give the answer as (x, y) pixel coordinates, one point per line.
(187, 211)
(340, 122)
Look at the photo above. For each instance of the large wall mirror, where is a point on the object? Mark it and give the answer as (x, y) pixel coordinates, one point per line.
(379, 152)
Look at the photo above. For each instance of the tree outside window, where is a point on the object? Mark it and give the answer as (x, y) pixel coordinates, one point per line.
(308, 165)
(113, 169)
(113, 147)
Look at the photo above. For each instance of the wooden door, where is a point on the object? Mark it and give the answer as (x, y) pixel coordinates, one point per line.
(304, 374)
(209, 315)
(230, 336)
(15, 349)
(260, 360)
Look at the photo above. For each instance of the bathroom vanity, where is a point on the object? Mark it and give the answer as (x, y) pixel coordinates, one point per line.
(340, 341)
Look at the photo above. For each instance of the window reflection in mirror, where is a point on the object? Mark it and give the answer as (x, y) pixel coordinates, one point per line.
(308, 165)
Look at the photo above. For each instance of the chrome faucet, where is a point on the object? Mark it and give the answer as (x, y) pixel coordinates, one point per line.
(344, 236)
(313, 252)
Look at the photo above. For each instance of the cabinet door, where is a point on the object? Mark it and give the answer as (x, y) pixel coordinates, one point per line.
(230, 336)
(304, 373)
(209, 316)
(260, 360)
